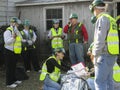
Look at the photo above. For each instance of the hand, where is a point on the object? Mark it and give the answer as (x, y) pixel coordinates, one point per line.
(24, 40)
(14, 36)
(92, 57)
(85, 42)
(29, 42)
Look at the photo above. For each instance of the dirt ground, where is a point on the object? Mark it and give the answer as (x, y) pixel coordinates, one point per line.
(32, 83)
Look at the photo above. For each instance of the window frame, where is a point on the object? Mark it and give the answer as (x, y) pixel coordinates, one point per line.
(52, 7)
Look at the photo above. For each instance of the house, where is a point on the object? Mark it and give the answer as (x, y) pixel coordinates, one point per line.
(7, 10)
(41, 13)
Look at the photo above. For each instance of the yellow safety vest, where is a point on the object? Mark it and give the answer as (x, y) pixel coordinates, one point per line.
(112, 37)
(116, 73)
(17, 44)
(55, 75)
(57, 42)
(24, 37)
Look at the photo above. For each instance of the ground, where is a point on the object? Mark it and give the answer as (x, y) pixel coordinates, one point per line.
(32, 83)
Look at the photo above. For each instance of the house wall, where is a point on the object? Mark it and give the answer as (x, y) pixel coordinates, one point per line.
(36, 14)
(7, 10)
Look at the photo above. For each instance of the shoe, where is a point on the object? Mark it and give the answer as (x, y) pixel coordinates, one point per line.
(18, 82)
(28, 71)
(12, 85)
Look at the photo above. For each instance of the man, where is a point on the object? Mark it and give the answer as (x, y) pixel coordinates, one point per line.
(56, 35)
(12, 51)
(28, 47)
(105, 47)
(77, 36)
(51, 70)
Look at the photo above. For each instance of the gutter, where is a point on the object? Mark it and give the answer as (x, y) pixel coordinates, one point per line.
(46, 3)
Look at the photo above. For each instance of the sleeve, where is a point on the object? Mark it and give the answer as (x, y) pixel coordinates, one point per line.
(65, 30)
(34, 37)
(101, 30)
(49, 34)
(54, 63)
(8, 39)
(84, 32)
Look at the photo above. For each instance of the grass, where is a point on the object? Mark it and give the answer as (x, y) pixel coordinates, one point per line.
(32, 83)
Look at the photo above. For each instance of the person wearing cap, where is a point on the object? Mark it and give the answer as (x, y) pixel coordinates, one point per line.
(105, 47)
(56, 35)
(28, 47)
(51, 70)
(12, 51)
(77, 36)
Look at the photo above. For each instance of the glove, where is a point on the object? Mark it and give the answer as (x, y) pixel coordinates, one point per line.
(29, 42)
(24, 40)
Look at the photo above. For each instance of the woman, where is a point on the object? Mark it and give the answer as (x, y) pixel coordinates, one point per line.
(51, 70)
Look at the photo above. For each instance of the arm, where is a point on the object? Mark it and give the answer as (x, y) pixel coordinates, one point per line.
(85, 34)
(101, 29)
(65, 30)
(51, 64)
(8, 37)
(34, 37)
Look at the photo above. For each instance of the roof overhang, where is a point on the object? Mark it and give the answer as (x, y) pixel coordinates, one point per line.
(34, 3)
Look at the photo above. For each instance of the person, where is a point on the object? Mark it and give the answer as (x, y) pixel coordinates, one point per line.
(56, 35)
(12, 40)
(28, 48)
(106, 46)
(51, 70)
(77, 36)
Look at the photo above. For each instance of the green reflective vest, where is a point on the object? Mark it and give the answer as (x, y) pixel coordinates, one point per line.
(57, 42)
(116, 73)
(77, 36)
(17, 44)
(112, 38)
(24, 36)
(55, 75)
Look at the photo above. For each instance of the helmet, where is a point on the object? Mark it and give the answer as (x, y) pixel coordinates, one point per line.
(26, 22)
(96, 3)
(15, 20)
(55, 21)
(73, 15)
(59, 50)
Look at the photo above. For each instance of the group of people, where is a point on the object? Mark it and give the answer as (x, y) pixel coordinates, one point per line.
(103, 51)
(19, 43)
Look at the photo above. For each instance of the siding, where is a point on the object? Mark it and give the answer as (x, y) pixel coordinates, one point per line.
(37, 18)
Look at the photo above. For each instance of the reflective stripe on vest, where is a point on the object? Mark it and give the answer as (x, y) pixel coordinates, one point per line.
(17, 44)
(112, 37)
(57, 42)
(116, 73)
(55, 75)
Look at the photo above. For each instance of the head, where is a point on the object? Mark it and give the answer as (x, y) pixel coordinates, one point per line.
(14, 21)
(56, 23)
(73, 18)
(26, 24)
(59, 53)
(118, 21)
(97, 7)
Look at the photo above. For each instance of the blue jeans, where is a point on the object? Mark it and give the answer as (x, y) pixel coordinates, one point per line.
(76, 53)
(104, 72)
(50, 84)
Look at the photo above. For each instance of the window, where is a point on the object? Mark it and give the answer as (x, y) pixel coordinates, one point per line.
(53, 14)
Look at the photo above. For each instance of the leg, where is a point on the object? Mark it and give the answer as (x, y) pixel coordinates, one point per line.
(10, 67)
(27, 65)
(34, 59)
(79, 52)
(72, 53)
(51, 85)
